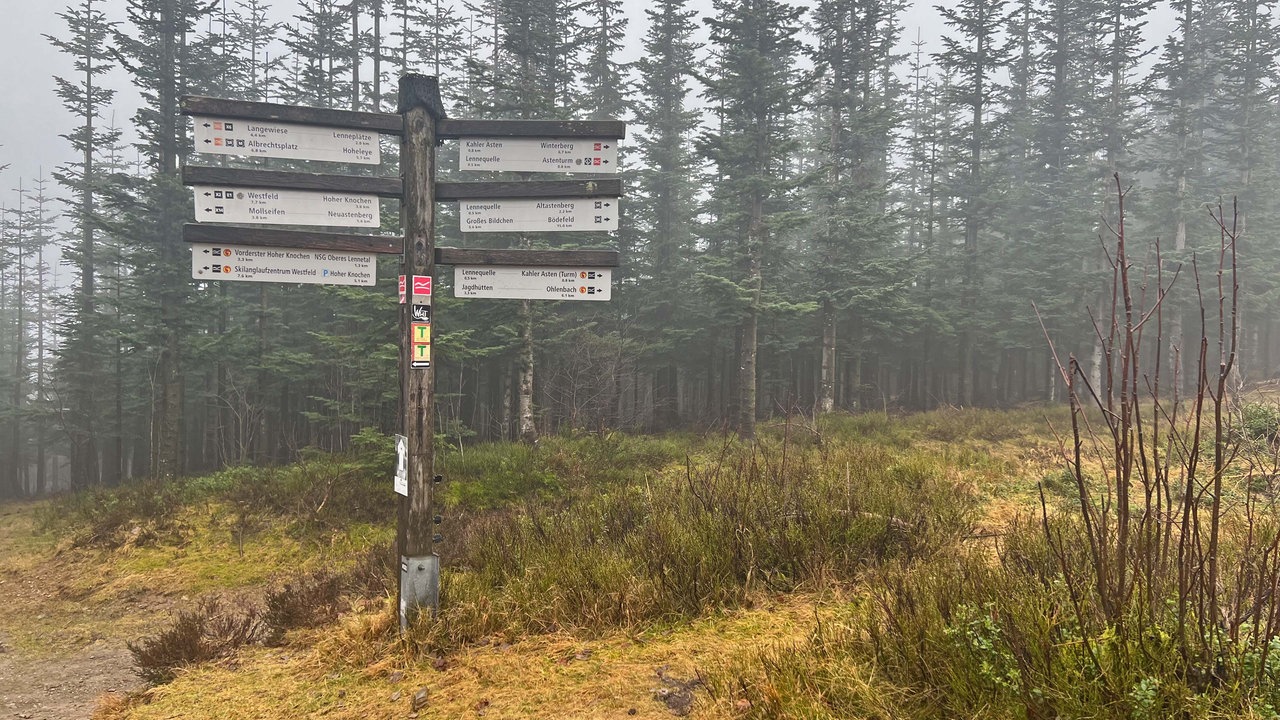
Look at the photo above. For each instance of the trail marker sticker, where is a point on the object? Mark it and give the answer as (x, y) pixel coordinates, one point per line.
(537, 215)
(531, 283)
(575, 155)
(285, 207)
(402, 465)
(420, 341)
(287, 265)
(257, 138)
(403, 294)
(422, 286)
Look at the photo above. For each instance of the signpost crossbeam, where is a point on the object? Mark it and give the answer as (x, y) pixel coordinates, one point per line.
(392, 123)
(304, 239)
(391, 187)
(393, 245)
(241, 177)
(604, 129)
(533, 258)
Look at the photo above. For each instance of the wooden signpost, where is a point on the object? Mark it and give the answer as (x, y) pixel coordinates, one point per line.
(263, 254)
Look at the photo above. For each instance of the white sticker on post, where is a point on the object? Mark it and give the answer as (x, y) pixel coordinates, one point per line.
(402, 465)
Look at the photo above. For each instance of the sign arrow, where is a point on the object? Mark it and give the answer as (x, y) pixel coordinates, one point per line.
(206, 251)
(207, 141)
(207, 125)
(208, 194)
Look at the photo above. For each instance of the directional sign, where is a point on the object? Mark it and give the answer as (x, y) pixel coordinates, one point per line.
(284, 265)
(285, 207)
(530, 283)
(576, 155)
(538, 215)
(221, 136)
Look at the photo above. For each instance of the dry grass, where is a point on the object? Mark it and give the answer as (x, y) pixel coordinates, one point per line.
(60, 598)
(345, 670)
(548, 676)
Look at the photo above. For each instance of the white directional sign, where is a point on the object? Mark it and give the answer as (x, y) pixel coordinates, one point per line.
(257, 138)
(537, 215)
(286, 265)
(576, 155)
(530, 283)
(285, 207)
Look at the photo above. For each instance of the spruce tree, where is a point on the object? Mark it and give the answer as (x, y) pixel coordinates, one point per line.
(1247, 151)
(851, 255)
(604, 88)
(18, 406)
(87, 43)
(167, 58)
(40, 233)
(663, 207)
(757, 86)
(321, 48)
(11, 342)
(975, 54)
(1183, 82)
(926, 155)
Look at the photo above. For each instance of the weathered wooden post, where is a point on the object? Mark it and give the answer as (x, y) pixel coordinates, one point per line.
(419, 565)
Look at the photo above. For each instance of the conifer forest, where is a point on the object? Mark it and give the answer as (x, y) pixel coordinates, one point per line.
(824, 208)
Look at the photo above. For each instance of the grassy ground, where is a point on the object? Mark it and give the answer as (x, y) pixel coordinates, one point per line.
(524, 631)
(648, 675)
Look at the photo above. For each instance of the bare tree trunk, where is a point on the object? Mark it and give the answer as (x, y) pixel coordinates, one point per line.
(1176, 337)
(504, 390)
(528, 430)
(827, 384)
(376, 51)
(42, 480)
(356, 55)
(748, 346)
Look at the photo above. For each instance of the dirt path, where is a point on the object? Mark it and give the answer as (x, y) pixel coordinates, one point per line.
(62, 687)
(62, 644)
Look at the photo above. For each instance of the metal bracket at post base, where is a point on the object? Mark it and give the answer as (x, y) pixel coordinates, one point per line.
(419, 587)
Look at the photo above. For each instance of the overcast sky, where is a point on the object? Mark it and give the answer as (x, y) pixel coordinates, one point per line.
(33, 117)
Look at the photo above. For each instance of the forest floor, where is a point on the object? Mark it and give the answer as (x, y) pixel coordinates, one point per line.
(67, 611)
(62, 635)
